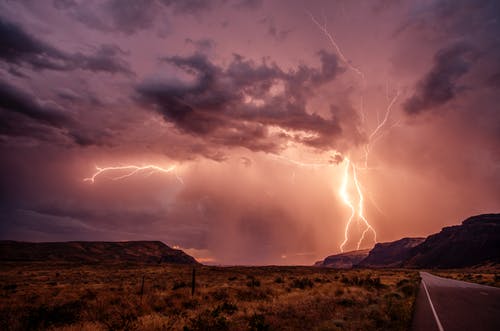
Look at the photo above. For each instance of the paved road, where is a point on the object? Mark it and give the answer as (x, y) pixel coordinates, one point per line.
(446, 305)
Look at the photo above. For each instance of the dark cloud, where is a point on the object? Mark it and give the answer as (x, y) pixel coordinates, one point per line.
(20, 47)
(464, 72)
(14, 100)
(473, 26)
(443, 19)
(64, 4)
(241, 104)
(83, 137)
(494, 80)
(440, 85)
(201, 45)
(68, 94)
(192, 7)
(204, 113)
(21, 115)
(274, 31)
(16, 129)
(15, 72)
(107, 58)
(82, 96)
(125, 16)
(248, 4)
(130, 16)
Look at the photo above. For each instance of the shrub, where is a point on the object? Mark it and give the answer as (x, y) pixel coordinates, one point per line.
(178, 285)
(207, 321)
(250, 295)
(302, 283)
(402, 282)
(393, 295)
(220, 294)
(227, 308)
(116, 314)
(10, 287)
(253, 282)
(331, 325)
(190, 304)
(44, 316)
(377, 316)
(257, 323)
(346, 302)
(408, 290)
(367, 281)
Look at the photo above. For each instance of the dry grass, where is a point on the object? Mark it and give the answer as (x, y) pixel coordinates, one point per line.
(490, 277)
(108, 297)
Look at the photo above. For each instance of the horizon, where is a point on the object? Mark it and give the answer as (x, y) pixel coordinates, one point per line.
(247, 131)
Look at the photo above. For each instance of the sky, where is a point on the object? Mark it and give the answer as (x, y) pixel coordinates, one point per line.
(278, 122)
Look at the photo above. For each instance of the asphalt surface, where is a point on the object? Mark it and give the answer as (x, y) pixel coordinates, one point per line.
(446, 305)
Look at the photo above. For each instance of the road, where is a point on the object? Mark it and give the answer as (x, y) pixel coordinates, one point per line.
(446, 305)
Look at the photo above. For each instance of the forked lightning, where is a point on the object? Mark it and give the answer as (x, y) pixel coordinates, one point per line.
(130, 171)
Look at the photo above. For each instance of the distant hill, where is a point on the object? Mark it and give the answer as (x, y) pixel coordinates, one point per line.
(475, 242)
(343, 260)
(391, 254)
(94, 251)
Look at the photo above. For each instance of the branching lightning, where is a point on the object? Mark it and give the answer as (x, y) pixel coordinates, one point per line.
(349, 179)
(376, 134)
(130, 171)
(361, 209)
(347, 201)
(329, 36)
(350, 189)
(350, 170)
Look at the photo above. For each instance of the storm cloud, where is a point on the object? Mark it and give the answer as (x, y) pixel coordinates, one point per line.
(441, 84)
(21, 48)
(258, 111)
(14, 100)
(240, 104)
(21, 115)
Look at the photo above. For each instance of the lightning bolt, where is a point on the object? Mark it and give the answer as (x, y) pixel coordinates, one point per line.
(361, 208)
(347, 201)
(349, 178)
(376, 134)
(329, 36)
(350, 170)
(131, 170)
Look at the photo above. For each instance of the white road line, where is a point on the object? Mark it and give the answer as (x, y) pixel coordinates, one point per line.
(440, 327)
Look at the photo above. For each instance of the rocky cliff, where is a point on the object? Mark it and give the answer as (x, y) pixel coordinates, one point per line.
(475, 242)
(343, 260)
(390, 254)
